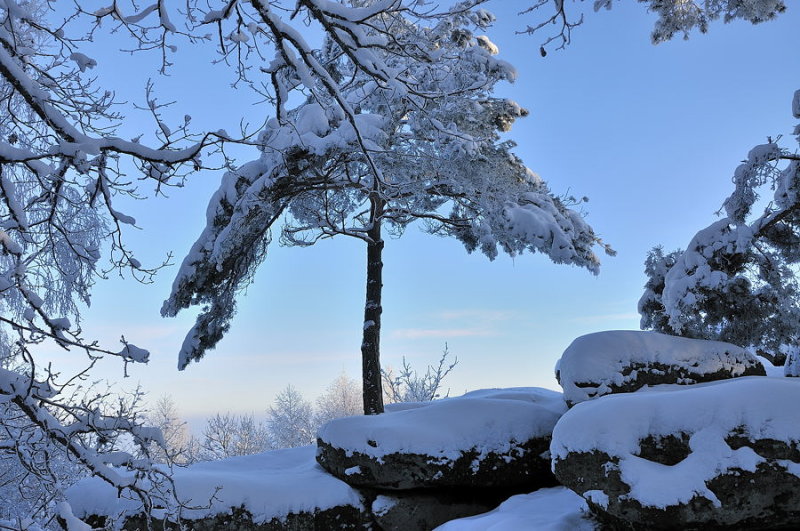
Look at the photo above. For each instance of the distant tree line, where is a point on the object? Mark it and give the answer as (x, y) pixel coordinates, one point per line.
(291, 420)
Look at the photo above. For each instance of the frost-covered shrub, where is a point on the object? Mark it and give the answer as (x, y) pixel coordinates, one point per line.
(407, 385)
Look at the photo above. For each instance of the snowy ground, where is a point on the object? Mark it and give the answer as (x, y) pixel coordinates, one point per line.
(269, 485)
(555, 509)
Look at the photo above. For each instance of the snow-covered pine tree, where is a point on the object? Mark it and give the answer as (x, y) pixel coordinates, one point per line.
(399, 124)
(737, 280)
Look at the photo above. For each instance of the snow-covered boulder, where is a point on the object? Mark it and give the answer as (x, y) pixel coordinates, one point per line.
(622, 361)
(485, 438)
(687, 457)
(280, 489)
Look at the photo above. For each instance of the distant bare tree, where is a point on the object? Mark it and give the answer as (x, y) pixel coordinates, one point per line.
(342, 398)
(229, 435)
(178, 444)
(409, 386)
(290, 421)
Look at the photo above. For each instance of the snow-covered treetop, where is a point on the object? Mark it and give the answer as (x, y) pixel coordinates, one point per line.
(409, 119)
(683, 16)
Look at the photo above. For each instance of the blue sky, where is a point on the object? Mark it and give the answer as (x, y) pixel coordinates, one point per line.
(651, 134)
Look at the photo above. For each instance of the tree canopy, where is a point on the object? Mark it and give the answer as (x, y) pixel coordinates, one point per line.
(414, 138)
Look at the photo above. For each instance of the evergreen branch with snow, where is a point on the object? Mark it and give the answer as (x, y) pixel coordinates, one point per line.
(737, 280)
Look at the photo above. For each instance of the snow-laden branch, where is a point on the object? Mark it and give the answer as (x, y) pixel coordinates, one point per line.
(311, 72)
(74, 141)
(62, 168)
(674, 17)
(60, 172)
(737, 280)
(55, 436)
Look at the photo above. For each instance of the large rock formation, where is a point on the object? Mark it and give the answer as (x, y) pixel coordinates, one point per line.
(483, 439)
(718, 455)
(712, 455)
(427, 463)
(622, 361)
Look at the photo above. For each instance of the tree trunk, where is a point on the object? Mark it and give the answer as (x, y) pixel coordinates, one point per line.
(370, 346)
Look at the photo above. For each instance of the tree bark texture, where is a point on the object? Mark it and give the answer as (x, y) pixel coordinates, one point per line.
(370, 346)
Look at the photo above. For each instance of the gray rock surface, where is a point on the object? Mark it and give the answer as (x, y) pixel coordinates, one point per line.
(425, 510)
(483, 439)
(724, 455)
(525, 464)
(622, 361)
(768, 498)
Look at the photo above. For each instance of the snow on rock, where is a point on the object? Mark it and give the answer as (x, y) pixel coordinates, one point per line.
(488, 419)
(553, 509)
(488, 437)
(626, 360)
(273, 485)
(721, 453)
(771, 370)
(402, 406)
